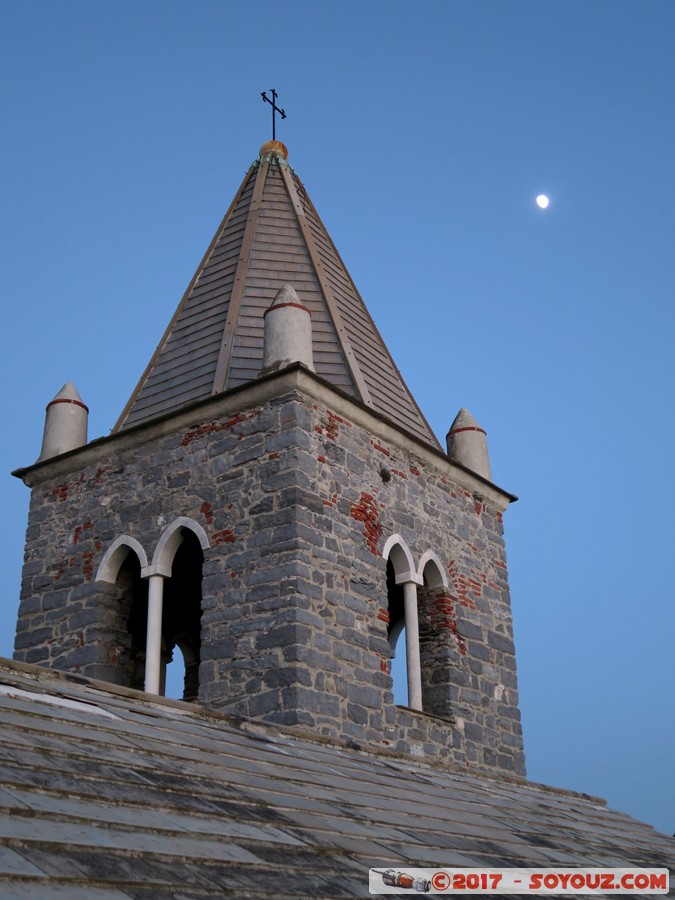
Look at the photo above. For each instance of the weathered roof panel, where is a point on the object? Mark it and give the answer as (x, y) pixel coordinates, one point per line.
(272, 235)
(110, 793)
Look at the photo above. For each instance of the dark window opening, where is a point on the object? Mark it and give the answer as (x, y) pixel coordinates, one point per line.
(394, 606)
(181, 618)
(438, 644)
(135, 600)
(396, 637)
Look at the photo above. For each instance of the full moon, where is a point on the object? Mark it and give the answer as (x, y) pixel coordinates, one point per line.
(542, 201)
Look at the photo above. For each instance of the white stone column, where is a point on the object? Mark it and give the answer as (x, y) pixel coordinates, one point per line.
(412, 645)
(153, 647)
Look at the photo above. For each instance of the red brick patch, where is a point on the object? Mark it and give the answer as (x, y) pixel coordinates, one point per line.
(207, 511)
(464, 587)
(330, 424)
(212, 427)
(61, 567)
(367, 511)
(79, 529)
(444, 617)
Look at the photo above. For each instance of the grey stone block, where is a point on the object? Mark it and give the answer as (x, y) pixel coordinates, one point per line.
(501, 642)
(470, 630)
(365, 696)
(31, 637)
(285, 676)
(294, 437)
(313, 701)
(261, 704)
(473, 732)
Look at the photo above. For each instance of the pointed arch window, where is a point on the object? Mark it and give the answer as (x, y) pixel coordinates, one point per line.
(176, 570)
(402, 582)
(161, 605)
(438, 628)
(181, 616)
(411, 592)
(122, 567)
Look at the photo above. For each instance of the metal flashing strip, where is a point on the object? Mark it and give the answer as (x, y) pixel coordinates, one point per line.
(7, 690)
(331, 302)
(239, 283)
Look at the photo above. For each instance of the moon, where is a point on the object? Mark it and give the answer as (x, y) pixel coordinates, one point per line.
(542, 201)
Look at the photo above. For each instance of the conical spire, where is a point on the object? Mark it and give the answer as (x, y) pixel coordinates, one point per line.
(65, 423)
(467, 444)
(270, 236)
(288, 332)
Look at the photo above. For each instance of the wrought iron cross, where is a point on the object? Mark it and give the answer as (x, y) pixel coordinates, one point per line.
(275, 109)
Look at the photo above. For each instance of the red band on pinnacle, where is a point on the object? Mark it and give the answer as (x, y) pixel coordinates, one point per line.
(469, 428)
(66, 400)
(281, 306)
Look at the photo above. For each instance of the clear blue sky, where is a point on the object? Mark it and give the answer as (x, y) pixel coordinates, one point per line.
(423, 133)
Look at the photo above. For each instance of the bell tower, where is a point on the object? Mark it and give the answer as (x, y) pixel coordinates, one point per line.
(273, 508)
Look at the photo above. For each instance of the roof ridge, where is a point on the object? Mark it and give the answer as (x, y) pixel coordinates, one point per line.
(262, 730)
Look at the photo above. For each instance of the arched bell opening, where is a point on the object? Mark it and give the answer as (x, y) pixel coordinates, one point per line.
(124, 607)
(396, 637)
(438, 637)
(181, 620)
(134, 604)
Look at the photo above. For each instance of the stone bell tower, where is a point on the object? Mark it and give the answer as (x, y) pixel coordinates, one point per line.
(273, 509)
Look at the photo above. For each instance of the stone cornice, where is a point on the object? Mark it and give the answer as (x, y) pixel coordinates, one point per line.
(296, 378)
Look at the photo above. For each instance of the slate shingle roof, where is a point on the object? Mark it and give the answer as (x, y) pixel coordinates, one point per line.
(110, 794)
(270, 236)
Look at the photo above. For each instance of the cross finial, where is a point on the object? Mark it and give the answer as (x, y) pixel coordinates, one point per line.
(275, 109)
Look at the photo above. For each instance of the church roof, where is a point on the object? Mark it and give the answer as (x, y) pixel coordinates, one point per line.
(270, 236)
(110, 794)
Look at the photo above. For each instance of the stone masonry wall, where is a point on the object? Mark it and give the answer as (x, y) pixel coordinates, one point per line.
(294, 500)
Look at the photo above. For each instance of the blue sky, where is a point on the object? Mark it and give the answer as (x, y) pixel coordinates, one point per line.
(423, 133)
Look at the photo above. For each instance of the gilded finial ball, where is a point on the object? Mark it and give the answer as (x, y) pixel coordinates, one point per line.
(274, 147)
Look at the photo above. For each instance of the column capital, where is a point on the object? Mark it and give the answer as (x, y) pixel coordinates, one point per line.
(409, 578)
(156, 569)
